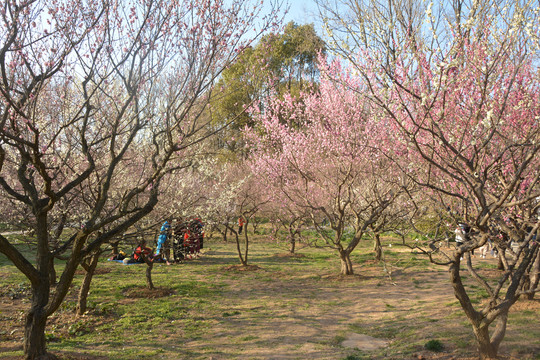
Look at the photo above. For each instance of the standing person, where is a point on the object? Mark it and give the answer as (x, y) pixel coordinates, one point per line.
(462, 234)
(196, 228)
(188, 246)
(488, 246)
(163, 241)
(241, 223)
(177, 235)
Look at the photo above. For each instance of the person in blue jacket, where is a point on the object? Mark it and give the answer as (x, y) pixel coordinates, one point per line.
(162, 242)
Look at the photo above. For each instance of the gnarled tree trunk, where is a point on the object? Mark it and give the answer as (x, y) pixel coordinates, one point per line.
(149, 267)
(346, 264)
(486, 350)
(90, 268)
(488, 344)
(35, 346)
(534, 277)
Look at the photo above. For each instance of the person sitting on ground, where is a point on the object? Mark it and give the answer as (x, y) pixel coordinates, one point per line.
(117, 256)
(141, 250)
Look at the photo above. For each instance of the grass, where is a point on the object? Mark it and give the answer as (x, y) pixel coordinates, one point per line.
(296, 307)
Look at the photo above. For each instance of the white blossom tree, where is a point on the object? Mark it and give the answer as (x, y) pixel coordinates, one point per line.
(98, 101)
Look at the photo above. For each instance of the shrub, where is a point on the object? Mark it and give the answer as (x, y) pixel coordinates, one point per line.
(434, 345)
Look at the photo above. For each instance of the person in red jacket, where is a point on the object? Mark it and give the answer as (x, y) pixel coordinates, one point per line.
(188, 243)
(140, 250)
(241, 223)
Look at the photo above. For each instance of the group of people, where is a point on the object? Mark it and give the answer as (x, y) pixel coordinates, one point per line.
(184, 238)
(138, 256)
(463, 234)
(187, 239)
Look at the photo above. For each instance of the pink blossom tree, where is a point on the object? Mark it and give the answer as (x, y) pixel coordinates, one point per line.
(462, 111)
(320, 151)
(284, 214)
(471, 127)
(99, 101)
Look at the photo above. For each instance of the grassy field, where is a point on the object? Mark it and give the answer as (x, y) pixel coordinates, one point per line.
(282, 308)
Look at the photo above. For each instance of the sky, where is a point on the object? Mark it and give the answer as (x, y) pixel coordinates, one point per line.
(302, 12)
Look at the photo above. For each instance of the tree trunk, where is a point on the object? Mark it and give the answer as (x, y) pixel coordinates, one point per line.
(223, 232)
(246, 244)
(149, 267)
(346, 264)
(500, 264)
(255, 225)
(35, 346)
(52, 272)
(292, 247)
(149, 282)
(378, 247)
(487, 346)
(534, 277)
(114, 246)
(56, 235)
(85, 286)
(486, 350)
(293, 240)
(243, 259)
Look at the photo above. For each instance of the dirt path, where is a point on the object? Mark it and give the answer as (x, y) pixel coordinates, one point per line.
(316, 317)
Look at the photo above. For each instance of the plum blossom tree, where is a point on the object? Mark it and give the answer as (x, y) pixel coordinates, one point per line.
(217, 191)
(463, 117)
(233, 192)
(94, 91)
(394, 219)
(475, 135)
(320, 151)
(284, 214)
